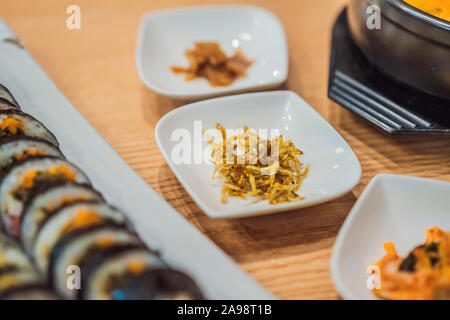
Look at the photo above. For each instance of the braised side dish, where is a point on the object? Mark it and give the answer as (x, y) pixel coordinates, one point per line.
(437, 8)
(254, 167)
(208, 61)
(423, 275)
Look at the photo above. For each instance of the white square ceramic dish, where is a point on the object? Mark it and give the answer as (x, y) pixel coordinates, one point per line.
(391, 208)
(165, 35)
(334, 168)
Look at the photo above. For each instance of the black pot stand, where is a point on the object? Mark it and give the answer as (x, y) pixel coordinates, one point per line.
(392, 106)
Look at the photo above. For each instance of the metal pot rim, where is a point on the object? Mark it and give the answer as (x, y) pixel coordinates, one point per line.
(414, 20)
(418, 14)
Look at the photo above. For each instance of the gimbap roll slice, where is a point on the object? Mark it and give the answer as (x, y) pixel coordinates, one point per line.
(17, 278)
(88, 247)
(15, 268)
(135, 275)
(12, 256)
(18, 148)
(151, 284)
(6, 96)
(15, 123)
(104, 281)
(5, 105)
(28, 178)
(69, 218)
(29, 292)
(46, 203)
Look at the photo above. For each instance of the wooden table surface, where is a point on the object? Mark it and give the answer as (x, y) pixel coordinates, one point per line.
(94, 67)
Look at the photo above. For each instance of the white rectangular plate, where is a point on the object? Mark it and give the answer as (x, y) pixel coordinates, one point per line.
(160, 226)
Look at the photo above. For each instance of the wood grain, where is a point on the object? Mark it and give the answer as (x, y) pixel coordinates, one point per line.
(94, 67)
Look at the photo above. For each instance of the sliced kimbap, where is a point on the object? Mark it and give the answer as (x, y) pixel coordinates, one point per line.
(15, 123)
(151, 284)
(88, 247)
(6, 96)
(67, 219)
(29, 292)
(107, 280)
(28, 178)
(5, 105)
(18, 148)
(46, 203)
(61, 221)
(135, 274)
(16, 269)
(17, 278)
(12, 256)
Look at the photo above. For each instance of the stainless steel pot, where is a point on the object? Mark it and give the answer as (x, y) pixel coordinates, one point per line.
(411, 46)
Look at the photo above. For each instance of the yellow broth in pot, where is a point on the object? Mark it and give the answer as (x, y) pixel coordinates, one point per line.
(437, 8)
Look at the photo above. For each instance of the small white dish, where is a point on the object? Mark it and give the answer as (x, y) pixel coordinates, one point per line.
(392, 208)
(165, 35)
(334, 168)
